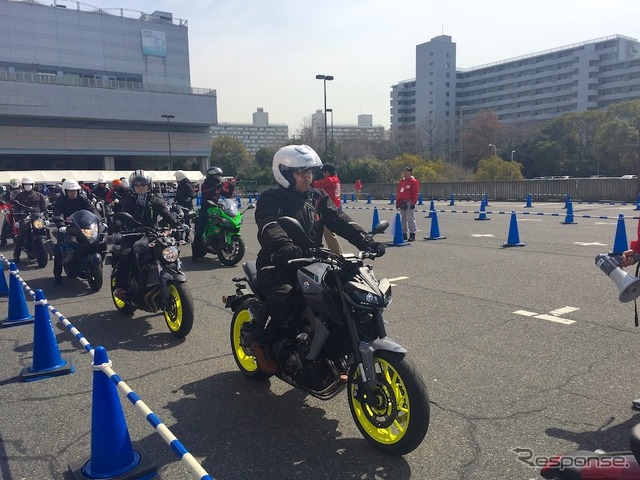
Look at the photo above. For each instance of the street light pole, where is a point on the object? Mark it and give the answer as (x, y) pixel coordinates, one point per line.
(495, 149)
(169, 117)
(325, 79)
(512, 152)
(330, 110)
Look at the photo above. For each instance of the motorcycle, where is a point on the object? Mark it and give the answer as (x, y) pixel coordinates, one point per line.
(37, 242)
(83, 246)
(183, 215)
(337, 340)
(156, 281)
(221, 235)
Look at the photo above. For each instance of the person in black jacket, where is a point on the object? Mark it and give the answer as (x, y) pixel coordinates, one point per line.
(23, 202)
(145, 206)
(184, 191)
(101, 190)
(69, 202)
(293, 167)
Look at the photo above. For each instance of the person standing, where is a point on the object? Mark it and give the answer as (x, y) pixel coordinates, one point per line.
(406, 200)
(331, 184)
(358, 187)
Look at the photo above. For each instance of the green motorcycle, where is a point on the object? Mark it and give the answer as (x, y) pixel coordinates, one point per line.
(221, 235)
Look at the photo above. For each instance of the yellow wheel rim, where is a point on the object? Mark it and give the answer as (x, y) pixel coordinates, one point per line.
(248, 362)
(119, 303)
(392, 406)
(173, 315)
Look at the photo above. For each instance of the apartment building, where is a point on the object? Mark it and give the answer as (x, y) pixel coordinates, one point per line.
(256, 135)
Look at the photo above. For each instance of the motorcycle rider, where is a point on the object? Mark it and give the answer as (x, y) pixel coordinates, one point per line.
(7, 197)
(144, 205)
(212, 189)
(184, 192)
(68, 203)
(101, 190)
(27, 199)
(293, 168)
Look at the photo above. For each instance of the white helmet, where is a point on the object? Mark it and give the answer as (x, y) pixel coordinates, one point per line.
(139, 177)
(27, 180)
(293, 157)
(14, 183)
(180, 175)
(101, 180)
(70, 185)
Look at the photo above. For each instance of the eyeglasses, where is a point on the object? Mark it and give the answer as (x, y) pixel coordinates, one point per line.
(306, 171)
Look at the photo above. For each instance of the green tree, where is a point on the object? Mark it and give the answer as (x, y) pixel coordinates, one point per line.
(616, 144)
(494, 168)
(264, 157)
(629, 142)
(229, 154)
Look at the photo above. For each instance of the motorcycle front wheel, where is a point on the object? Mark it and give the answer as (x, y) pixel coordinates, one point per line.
(178, 313)
(243, 355)
(95, 277)
(42, 257)
(230, 254)
(396, 419)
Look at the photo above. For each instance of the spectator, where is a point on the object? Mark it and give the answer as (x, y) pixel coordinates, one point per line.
(358, 187)
(406, 200)
(331, 184)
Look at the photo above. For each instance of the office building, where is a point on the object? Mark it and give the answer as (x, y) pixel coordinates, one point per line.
(256, 135)
(591, 75)
(90, 88)
(363, 130)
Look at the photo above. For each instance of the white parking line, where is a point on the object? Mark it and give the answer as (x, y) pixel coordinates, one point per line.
(589, 244)
(396, 279)
(552, 316)
(476, 235)
(563, 310)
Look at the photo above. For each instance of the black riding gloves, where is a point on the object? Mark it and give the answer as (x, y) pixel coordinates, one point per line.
(286, 253)
(376, 248)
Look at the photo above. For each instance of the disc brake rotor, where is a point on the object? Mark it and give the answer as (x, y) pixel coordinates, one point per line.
(382, 410)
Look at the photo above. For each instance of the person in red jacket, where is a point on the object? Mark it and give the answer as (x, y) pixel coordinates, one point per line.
(330, 184)
(358, 187)
(406, 200)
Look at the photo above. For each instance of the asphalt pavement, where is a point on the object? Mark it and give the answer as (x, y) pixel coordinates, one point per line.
(521, 348)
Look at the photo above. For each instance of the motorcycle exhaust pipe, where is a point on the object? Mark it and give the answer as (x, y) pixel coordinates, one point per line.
(628, 285)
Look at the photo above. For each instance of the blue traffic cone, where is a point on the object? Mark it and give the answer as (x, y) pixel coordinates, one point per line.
(250, 199)
(18, 310)
(112, 453)
(486, 199)
(567, 200)
(47, 361)
(368, 199)
(483, 214)
(353, 197)
(513, 240)
(344, 198)
(432, 209)
(434, 234)
(528, 205)
(198, 200)
(452, 200)
(637, 203)
(620, 244)
(392, 199)
(420, 199)
(398, 238)
(376, 219)
(239, 200)
(4, 289)
(568, 220)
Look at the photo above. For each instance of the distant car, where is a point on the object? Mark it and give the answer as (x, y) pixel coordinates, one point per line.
(560, 177)
(628, 177)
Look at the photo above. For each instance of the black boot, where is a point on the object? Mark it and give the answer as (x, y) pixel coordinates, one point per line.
(412, 237)
(16, 256)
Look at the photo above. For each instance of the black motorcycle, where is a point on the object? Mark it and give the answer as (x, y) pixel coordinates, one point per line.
(83, 246)
(337, 339)
(37, 243)
(156, 281)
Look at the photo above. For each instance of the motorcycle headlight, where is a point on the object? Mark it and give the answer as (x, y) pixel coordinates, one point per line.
(170, 254)
(38, 224)
(91, 233)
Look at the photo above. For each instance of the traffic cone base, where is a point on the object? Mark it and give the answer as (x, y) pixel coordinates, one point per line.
(144, 468)
(398, 238)
(47, 361)
(620, 244)
(568, 220)
(528, 204)
(513, 240)
(482, 215)
(18, 310)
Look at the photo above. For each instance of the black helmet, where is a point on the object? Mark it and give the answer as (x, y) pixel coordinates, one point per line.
(212, 172)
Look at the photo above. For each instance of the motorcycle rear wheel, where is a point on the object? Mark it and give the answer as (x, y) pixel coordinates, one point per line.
(398, 422)
(179, 313)
(121, 306)
(230, 254)
(244, 355)
(95, 277)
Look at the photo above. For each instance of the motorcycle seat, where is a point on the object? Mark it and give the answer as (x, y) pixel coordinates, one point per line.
(251, 273)
(634, 441)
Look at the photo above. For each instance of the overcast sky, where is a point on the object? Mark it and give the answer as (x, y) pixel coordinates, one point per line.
(266, 53)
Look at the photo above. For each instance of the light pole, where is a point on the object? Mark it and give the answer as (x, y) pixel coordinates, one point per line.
(330, 110)
(325, 79)
(495, 150)
(512, 152)
(169, 117)
(461, 108)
